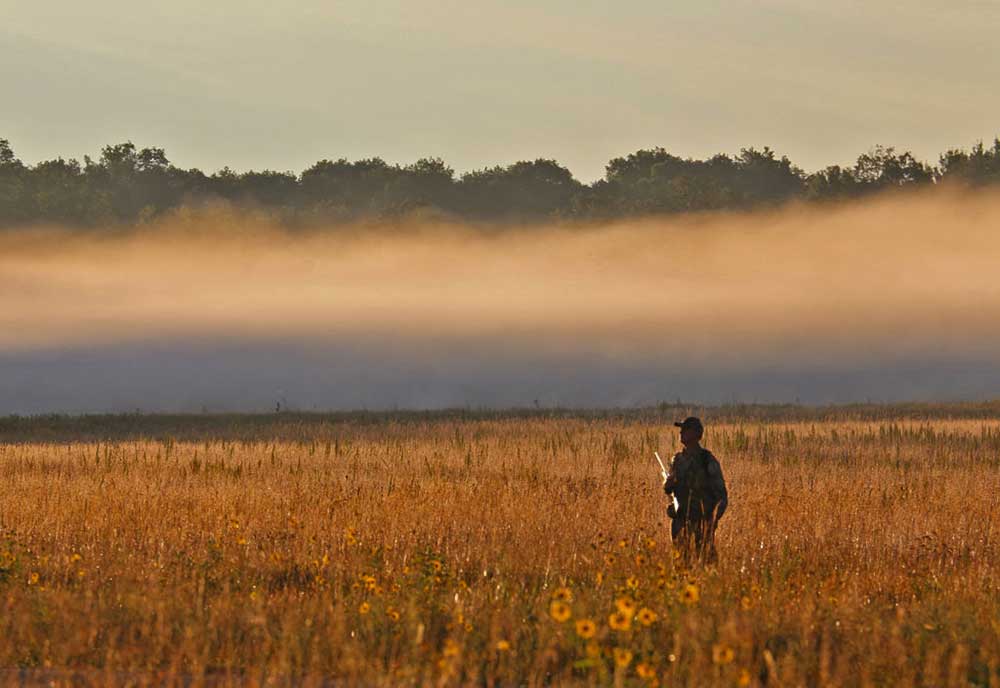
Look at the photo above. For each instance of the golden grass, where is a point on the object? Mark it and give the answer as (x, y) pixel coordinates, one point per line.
(435, 550)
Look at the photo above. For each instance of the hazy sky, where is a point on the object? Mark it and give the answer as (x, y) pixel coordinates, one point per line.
(256, 84)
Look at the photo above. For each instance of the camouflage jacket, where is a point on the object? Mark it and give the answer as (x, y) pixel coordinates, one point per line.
(698, 486)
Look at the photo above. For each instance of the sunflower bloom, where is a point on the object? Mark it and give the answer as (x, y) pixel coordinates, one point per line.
(690, 594)
(364, 608)
(625, 605)
(645, 671)
(646, 616)
(632, 583)
(559, 611)
(744, 679)
(722, 654)
(503, 646)
(623, 657)
(586, 629)
(665, 584)
(620, 622)
(562, 594)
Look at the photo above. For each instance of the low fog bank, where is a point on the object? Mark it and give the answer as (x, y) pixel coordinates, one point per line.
(259, 376)
(894, 299)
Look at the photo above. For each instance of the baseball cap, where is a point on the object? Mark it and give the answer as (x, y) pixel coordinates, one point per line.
(690, 422)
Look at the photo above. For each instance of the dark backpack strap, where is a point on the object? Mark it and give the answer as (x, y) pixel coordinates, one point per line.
(704, 457)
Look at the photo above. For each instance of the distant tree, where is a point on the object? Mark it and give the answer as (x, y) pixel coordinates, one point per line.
(427, 183)
(349, 190)
(655, 181)
(128, 185)
(832, 183)
(12, 173)
(978, 166)
(523, 191)
(268, 188)
(764, 179)
(59, 193)
(882, 168)
(640, 165)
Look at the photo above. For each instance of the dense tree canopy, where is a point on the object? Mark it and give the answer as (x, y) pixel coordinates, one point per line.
(128, 185)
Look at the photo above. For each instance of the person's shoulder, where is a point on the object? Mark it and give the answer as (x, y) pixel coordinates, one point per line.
(711, 462)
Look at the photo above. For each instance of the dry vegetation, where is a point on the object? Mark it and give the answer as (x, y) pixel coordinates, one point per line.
(442, 550)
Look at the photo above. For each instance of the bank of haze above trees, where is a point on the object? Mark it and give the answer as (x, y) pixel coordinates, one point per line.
(127, 185)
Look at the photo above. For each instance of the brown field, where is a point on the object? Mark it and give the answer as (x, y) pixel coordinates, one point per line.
(427, 549)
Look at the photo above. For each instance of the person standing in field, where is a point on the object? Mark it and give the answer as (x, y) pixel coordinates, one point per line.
(695, 483)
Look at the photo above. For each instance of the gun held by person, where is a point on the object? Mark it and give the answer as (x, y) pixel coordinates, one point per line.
(663, 469)
(668, 487)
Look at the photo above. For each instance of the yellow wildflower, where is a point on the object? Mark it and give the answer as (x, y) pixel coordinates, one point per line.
(690, 594)
(744, 679)
(503, 646)
(620, 622)
(451, 648)
(625, 605)
(364, 608)
(722, 654)
(559, 611)
(623, 656)
(646, 616)
(562, 594)
(645, 671)
(632, 583)
(586, 629)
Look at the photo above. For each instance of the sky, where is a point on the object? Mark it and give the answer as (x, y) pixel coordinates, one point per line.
(254, 84)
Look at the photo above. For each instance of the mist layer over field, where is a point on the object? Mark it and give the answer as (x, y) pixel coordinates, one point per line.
(890, 299)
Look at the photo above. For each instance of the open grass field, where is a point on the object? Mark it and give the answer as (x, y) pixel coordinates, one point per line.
(860, 548)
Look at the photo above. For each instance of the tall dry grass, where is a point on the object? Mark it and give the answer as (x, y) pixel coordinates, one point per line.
(430, 551)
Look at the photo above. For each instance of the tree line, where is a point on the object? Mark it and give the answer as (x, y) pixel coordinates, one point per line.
(127, 185)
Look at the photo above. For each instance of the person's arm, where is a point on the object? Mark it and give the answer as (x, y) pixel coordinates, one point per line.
(717, 488)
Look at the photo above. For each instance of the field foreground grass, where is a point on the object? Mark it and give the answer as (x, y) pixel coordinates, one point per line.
(493, 549)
